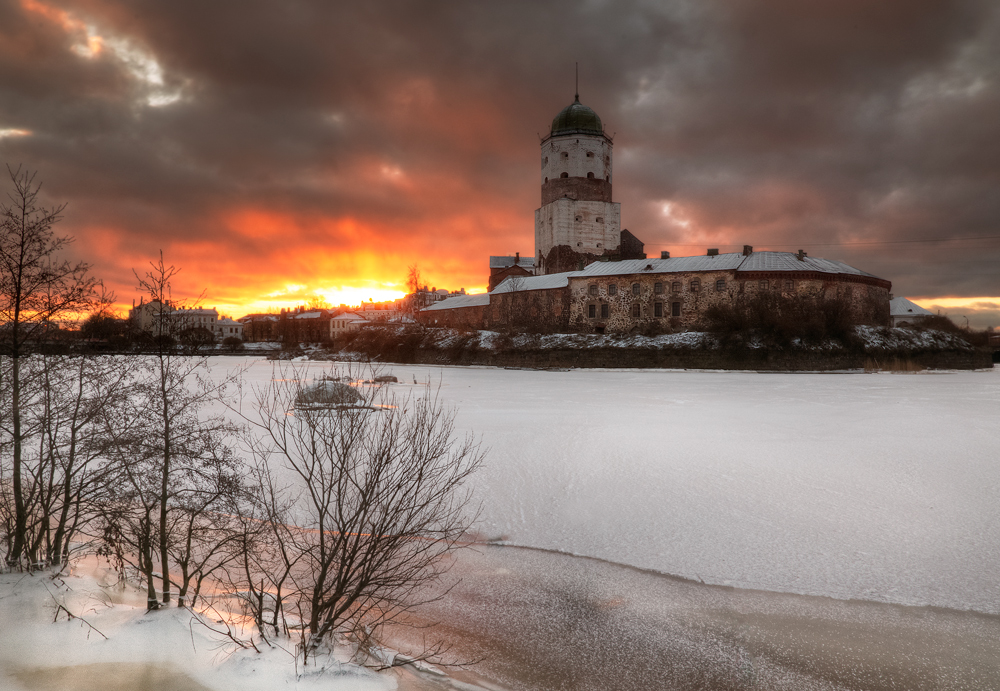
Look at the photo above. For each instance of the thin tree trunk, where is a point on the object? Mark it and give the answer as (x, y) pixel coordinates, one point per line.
(164, 484)
(20, 513)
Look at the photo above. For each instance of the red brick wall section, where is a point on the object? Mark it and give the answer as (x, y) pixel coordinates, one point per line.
(497, 275)
(529, 310)
(456, 318)
(581, 189)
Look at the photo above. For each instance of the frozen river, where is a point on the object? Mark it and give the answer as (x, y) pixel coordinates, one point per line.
(879, 487)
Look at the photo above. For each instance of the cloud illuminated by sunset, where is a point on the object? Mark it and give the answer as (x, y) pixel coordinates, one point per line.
(330, 148)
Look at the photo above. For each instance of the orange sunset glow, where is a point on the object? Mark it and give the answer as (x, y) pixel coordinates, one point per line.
(284, 158)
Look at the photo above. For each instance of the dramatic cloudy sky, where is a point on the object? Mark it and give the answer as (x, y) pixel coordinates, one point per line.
(276, 149)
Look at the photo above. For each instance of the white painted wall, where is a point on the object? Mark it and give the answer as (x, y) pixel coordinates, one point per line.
(586, 226)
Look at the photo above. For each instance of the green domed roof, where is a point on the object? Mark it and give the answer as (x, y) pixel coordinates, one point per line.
(576, 118)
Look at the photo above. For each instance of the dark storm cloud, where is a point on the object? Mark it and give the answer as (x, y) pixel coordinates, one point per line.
(772, 122)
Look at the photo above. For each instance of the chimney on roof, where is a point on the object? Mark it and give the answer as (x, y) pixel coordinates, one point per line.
(664, 255)
(517, 257)
(747, 250)
(713, 252)
(801, 256)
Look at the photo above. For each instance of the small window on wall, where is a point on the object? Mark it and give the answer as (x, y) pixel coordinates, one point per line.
(591, 311)
(675, 309)
(592, 289)
(564, 175)
(605, 309)
(635, 288)
(612, 289)
(546, 179)
(763, 284)
(695, 285)
(658, 288)
(720, 285)
(565, 154)
(675, 287)
(599, 220)
(590, 154)
(607, 178)
(790, 286)
(636, 311)
(657, 309)
(545, 161)
(579, 218)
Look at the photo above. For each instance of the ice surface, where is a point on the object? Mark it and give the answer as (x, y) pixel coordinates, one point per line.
(882, 486)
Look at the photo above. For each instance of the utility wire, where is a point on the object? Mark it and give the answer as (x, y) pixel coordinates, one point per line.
(846, 244)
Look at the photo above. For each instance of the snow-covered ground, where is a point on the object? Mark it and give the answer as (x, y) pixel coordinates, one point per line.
(872, 486)
(144, 651)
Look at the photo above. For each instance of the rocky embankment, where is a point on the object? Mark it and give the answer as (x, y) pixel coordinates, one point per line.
(873, 348)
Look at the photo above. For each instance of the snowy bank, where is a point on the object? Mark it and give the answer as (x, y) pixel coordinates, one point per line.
(869, 346)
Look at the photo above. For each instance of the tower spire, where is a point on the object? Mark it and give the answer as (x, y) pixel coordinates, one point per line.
(577, 94)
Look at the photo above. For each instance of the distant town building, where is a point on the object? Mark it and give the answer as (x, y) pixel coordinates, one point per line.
(228, 328)
(346, 322)
(259, 327)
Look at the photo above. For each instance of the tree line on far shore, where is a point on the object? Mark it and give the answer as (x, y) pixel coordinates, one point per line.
(315, 506)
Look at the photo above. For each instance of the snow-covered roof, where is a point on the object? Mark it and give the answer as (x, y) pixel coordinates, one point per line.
(757, 261)
(504, 262)
(196, 311)
(546, 282)
(258, 317)
(309, 315)
(639, 266)
(789, 261)
(226, 321)
(459, 301)
(901, 307)
(350, 316)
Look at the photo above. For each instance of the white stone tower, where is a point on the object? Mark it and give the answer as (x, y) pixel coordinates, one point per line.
(577, 212)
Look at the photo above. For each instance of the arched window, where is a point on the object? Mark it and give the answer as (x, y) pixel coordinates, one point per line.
(607, 178)
(564, 175)
(546, 179)
(590, 176)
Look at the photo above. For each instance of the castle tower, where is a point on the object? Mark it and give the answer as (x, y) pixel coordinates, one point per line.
(577, 214)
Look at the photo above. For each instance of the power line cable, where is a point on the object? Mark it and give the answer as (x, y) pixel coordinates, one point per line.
(850, 244)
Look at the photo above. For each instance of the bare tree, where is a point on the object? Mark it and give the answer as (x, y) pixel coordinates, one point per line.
(174, 480)
(414, 283)
(175, 475)
(36, 290)
(371, 495)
